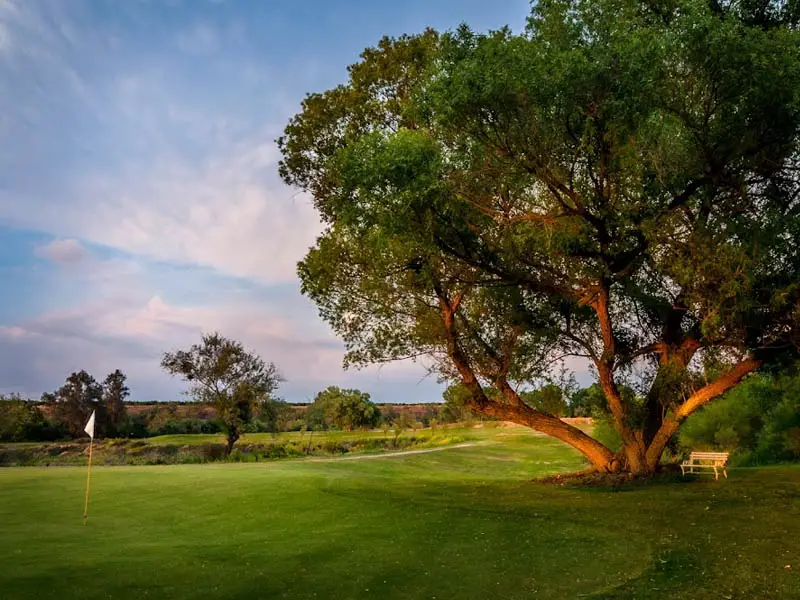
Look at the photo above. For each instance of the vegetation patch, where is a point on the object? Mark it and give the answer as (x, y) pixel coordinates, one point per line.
(143, 452)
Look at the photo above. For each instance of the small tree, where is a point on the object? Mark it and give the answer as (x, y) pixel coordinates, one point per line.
(221, 372)
(456, 400)
(276, 415)
(401, 424)
(74, 401)
(345, 409)
(114, 394)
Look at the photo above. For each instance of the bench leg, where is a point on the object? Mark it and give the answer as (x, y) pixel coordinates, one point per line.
(725, 472)
(683, 471)
(716, 473)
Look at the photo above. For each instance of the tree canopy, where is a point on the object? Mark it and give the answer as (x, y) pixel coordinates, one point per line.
(73, 403)
(343, 409)
(617, 183)
(115, 391)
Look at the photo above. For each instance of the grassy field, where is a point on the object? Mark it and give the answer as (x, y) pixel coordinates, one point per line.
(456, 523)
(257, 447)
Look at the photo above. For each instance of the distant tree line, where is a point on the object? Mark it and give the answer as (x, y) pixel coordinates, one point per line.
(67, 409)
(759, 420)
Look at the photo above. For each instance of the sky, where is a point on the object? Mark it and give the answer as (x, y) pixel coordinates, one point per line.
(139, 199)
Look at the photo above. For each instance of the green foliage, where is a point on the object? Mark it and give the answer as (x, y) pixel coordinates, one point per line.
(73, 403)
(548, 399)
(221, 372)
(115, 392)
(758, 421)
(161, 424)
(455, 409)
(342, 409)
(274, 415)
(23, 421)
(586, 402)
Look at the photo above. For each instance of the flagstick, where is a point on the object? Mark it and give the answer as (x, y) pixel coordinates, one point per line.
(88, 479)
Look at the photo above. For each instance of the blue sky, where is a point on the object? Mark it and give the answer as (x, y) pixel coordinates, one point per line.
(139, 201)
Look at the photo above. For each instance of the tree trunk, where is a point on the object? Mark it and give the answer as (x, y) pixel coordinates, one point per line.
(633, 448)
(601, 457)
(231, 440)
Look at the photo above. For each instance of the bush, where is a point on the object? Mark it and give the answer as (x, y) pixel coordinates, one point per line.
(548, 399)
(758, 420)
(22, 421)
(212, 452)
(133, 427)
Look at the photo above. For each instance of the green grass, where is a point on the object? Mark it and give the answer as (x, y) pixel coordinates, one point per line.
(458, 523)
(194, 449)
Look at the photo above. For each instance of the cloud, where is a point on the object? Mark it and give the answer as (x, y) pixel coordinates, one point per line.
(227, 213)
(155, 170)
(130, 334)
(62, 251)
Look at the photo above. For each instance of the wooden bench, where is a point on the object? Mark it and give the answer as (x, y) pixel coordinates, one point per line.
(706, 460)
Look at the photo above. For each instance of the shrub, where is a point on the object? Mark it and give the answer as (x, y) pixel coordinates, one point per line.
(758, 420)
(22, 421)
(212, 452)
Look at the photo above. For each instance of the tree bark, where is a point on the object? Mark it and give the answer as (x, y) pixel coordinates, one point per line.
(601, 457)
(672, 360)
(633, 447)
(231, 440)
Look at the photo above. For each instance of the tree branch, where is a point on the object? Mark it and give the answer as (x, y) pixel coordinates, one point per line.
(701, 397)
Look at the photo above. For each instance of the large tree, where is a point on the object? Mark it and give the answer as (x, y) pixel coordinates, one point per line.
(223, 373)
(618, 183)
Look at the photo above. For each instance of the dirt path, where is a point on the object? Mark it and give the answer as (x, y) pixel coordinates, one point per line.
(391, 454)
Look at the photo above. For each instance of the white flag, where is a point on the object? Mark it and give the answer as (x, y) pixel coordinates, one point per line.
(90, 426)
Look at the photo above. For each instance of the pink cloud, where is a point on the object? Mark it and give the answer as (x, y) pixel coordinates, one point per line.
(62, 251)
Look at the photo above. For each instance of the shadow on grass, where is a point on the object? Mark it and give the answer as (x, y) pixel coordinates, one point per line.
(620, 482)
(669, 572)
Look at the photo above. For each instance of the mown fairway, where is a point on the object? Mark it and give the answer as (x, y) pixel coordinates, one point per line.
(458, 523)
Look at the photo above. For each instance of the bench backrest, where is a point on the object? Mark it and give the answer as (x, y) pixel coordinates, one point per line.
(718, 456)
